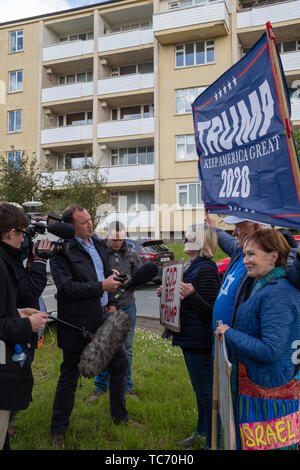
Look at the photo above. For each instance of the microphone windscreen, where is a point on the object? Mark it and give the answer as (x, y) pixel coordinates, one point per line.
(107, 340)
(62, 230)
(144, 274)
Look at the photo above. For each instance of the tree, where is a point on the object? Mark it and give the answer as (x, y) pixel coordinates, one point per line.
(21, 180)
(297, 140)
(85, 187)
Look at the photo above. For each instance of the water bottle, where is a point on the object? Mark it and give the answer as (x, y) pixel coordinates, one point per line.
(19, 356)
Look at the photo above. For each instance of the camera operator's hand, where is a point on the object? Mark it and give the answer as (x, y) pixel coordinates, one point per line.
(36, 317)
(38, 321)
(110, 284)
(44, 244)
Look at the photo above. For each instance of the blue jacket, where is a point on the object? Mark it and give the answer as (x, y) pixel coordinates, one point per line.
(266, 326)
(230, 246)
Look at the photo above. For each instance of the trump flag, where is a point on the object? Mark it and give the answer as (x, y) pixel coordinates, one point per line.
(248, 162)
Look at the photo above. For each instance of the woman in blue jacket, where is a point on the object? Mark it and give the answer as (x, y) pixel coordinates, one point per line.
(261, 343)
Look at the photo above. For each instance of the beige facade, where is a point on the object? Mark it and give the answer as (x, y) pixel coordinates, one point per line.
(112, 84)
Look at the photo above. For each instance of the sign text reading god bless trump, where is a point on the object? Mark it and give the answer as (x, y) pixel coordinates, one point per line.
(244, 157)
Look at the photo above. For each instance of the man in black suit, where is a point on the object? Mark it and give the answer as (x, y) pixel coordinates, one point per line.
(84, 282)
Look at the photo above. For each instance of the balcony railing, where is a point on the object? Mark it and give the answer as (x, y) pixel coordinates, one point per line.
(68, 49)
(67, 92)
(122, 174)
(125, 128)
(196, 15)
(290, 61)
(110, 42)
(279, 12)
(66, 134)
(295, 111)
(125, 83)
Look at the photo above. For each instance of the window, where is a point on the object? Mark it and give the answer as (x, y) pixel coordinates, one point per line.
(125, 201)
(289, 46)
(14, 158)
(14, 121)
(75, 119)
(16, 41)
(185, 148)
(16, 81)
(133, 156)
(132, 69)
(188, 195)
(132, 112)
(195, 53)
(80, 77)
(129, 27)
(74, 161)
(185, 98)
(77, 37)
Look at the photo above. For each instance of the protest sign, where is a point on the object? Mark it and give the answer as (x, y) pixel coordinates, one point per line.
(170, 300)
(248, 162)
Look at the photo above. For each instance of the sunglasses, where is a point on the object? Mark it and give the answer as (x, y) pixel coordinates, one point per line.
(20, 230)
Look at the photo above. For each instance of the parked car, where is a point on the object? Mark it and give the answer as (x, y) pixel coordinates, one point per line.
(34, 218)
(154, 251)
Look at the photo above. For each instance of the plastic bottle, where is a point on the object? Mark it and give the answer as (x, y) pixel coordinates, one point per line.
(19, 356)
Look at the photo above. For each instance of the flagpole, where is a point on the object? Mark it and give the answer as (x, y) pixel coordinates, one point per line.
(215, 399)
(284, 106)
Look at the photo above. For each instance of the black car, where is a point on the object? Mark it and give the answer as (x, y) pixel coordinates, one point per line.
(154, 251)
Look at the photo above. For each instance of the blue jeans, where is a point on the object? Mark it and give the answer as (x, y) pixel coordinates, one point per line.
(200, 368)
(102, 380)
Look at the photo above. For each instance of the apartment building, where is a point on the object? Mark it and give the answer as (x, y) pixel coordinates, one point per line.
(113, 84)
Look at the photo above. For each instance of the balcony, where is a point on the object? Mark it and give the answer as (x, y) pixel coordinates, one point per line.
(125, 83)
(131, 220)
(128, 127)
(110, 42)
(295, 111)
(66, 134)
(195, 22)
(290, 61)
(278, 13)
(67, 92)
(129, 173)
(68, 49)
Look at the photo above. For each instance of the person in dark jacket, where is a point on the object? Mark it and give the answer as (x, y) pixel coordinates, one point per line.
(84, 282)
(198, 292)
(266, 327)
(16, 325)
(126, 261)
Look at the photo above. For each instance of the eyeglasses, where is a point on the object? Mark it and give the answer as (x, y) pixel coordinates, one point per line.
(20, 230)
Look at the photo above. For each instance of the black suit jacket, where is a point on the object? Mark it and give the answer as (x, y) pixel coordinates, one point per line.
(78, 293)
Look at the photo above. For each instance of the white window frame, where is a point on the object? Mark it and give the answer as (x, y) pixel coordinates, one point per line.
(185, 188)
(281, 46)
(64, 116)
(116, 153)
(16, 72)
(117, 194)
(85, 155)
(19, 34)
(184, 91)
(14, 156)
(124, 28)
(185, 138)
(15, 120)
(181, 48)
(75, 36)
(64, 77)
(142, 106)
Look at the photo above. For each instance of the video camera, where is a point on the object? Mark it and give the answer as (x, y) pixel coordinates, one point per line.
(56, 227)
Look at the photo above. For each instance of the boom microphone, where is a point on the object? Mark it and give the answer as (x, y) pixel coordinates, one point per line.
(62, 230)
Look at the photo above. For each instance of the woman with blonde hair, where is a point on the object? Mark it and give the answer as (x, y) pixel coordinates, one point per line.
(198, 292)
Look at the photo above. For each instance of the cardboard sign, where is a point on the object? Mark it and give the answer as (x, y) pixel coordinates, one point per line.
(170, 300)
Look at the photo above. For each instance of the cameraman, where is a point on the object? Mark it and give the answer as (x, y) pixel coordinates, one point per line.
(84, 280)
(126, 261)
(16, 325)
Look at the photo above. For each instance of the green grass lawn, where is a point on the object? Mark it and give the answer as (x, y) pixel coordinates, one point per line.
(165, 407)
(178, 252)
